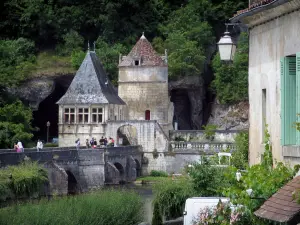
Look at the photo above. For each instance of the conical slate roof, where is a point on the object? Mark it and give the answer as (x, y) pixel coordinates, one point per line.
(91, 85)
(144, 52)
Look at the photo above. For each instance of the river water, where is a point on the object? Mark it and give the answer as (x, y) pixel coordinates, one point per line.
(145, 191)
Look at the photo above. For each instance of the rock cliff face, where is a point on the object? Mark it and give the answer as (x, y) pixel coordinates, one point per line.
(230, 117)
(36, 90)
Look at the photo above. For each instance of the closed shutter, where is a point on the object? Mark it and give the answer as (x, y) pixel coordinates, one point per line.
(288, 91)
(282, 97)
(298, 96)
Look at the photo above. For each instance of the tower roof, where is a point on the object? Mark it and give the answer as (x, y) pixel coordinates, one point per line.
(144, 52)
(91, 85)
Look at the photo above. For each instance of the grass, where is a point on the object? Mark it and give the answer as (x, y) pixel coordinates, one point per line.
(50, 63)
(107, 207)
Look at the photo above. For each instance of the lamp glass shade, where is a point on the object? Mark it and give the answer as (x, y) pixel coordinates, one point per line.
(226, 47)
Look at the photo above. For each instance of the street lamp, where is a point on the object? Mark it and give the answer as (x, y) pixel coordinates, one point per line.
(48, 125)
(226, 46)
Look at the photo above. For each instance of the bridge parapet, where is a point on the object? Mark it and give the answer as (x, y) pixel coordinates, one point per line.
(124, 150)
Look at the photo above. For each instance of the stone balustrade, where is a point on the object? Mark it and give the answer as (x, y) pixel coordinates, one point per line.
(205, 147)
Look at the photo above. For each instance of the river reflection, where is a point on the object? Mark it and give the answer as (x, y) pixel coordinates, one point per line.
(145, 191)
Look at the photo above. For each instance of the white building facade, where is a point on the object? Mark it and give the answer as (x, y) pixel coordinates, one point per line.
(274, 78)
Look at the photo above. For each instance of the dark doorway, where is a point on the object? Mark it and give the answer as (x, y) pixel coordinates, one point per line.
(138, 168)
(72, 184)
(182, 108)
(147, 115)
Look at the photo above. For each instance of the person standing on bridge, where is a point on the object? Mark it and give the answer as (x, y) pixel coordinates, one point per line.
(77, 142)
(20, 145)
(39, 145)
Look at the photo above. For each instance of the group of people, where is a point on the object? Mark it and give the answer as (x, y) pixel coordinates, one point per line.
(103, 142)
(18, 147)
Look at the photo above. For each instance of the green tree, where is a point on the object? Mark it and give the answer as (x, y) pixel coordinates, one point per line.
(231, 80)
(15, 124)
(109, 56)
(187, 36)
(72, 42)
(16, 61)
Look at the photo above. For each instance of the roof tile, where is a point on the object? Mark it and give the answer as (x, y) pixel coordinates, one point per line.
(281, 207)
(144, 52)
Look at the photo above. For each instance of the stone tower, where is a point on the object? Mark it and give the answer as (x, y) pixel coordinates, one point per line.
(143, 84)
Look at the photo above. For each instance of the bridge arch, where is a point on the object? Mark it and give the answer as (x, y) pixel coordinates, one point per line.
(73, 186)
(127, 135)
(121, 170)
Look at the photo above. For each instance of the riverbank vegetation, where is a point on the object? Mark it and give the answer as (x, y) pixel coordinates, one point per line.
(22, 181)
(208, 180)
(99, 208)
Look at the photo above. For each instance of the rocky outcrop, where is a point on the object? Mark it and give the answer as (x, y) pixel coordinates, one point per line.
(35, 90)
(188, 94)
(230, 117)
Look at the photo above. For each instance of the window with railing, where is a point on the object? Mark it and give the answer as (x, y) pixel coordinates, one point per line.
(69, 115)
(97, 115)
(83, 115)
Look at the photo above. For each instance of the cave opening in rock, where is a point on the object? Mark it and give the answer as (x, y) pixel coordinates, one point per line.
(182, 108)
(48, 111)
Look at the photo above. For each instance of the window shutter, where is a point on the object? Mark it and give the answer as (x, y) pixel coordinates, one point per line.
(298, 96)
(282, 98)
(289, 101)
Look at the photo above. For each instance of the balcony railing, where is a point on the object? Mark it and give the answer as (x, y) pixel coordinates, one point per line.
(206, 147)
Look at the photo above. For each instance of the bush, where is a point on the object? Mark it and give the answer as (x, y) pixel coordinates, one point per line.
(158, 173)
(49, 145)
(170, 196)
(101, 208)
(24, 180)
(240, 155)
(208, 180)
(157, 217)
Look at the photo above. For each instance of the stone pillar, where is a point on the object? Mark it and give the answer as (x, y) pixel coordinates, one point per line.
(91, 169)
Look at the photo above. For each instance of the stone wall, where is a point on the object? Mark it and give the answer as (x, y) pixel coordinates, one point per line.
(171, 162)
(221, 136)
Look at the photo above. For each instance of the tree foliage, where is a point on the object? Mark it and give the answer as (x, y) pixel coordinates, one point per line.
(15, 124)
(231, 80)
(16, 61)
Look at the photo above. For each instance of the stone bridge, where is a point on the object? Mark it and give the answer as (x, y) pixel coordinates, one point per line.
(72, 171)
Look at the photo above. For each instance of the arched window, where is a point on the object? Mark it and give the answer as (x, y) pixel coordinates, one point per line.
(147, 115)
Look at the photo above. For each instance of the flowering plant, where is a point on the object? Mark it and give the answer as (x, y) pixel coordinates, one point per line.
(222, 214)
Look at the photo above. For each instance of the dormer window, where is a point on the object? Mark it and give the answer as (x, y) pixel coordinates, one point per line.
(136, 62)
